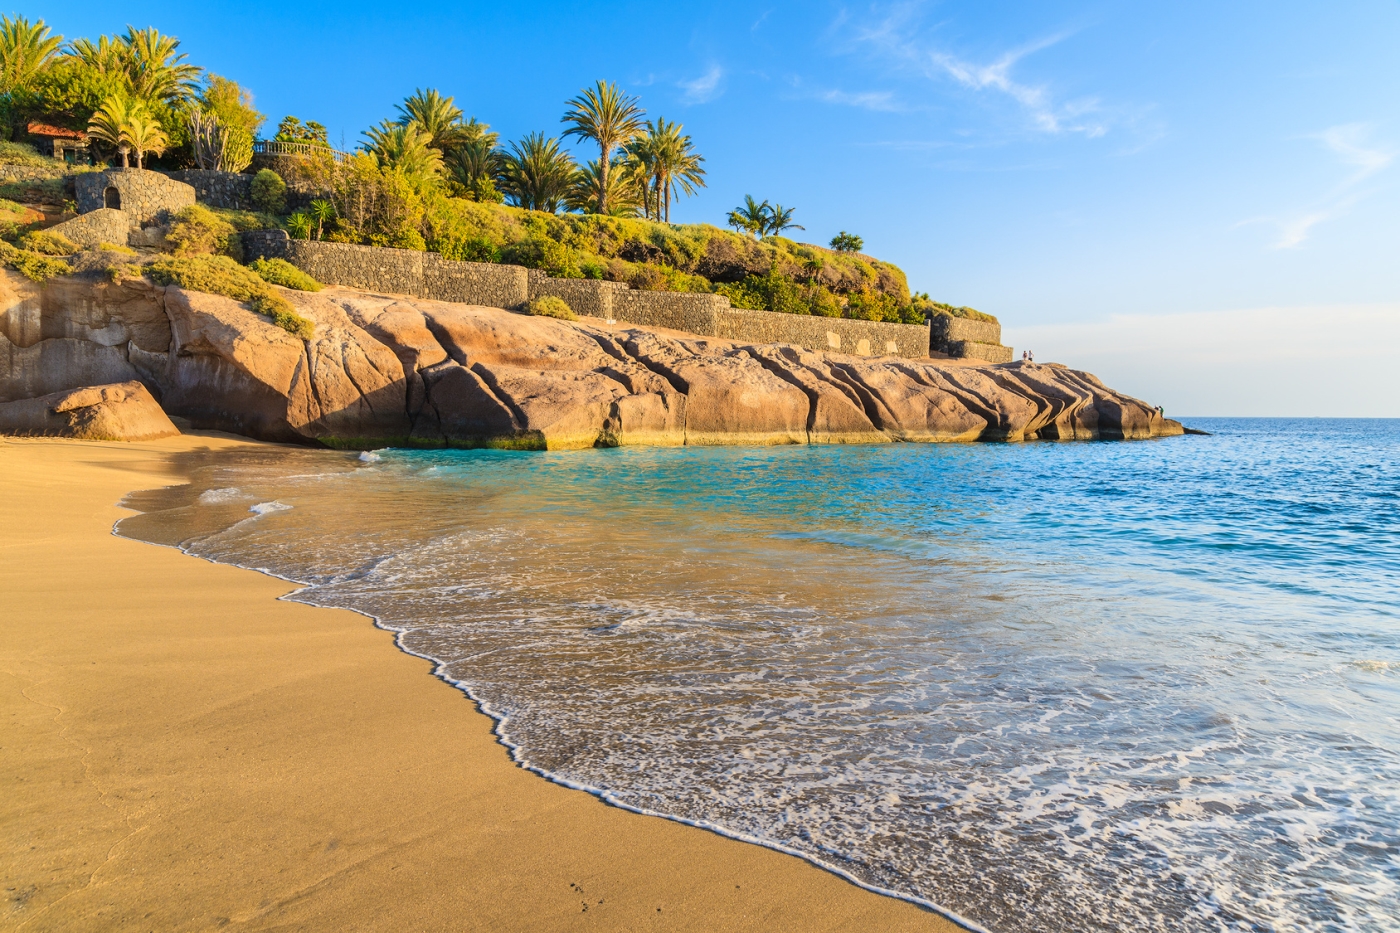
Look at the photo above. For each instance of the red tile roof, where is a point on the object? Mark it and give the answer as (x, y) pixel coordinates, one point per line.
(43, 129)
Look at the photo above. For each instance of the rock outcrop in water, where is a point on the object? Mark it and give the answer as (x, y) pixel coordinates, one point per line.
(385, 370)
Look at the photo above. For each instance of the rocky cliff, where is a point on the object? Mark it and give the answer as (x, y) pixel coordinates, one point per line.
(385, 370)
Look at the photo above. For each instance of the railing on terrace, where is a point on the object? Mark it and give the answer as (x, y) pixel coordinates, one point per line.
(276, 147)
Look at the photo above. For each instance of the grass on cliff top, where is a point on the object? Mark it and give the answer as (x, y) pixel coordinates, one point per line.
(220, 275)
(281, 272)
(34, 266)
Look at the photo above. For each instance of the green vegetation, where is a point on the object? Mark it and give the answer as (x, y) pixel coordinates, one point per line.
(199, 231)
(845, 242)
(220, 275)
(47, 244)
(281, 272)
(269, 191)
(552, 306)
(34, 266)
(116, 248)
(434, 178)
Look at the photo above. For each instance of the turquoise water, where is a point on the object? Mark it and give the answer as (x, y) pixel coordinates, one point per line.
(1088, 686)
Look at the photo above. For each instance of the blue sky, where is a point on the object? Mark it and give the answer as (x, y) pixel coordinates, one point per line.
(1194, 200)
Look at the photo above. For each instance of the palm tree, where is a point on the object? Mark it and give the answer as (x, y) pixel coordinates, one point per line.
(435, 114)
(751, 217)
(26, 49)
(155, 70)
(106, 56)
(111, 123)
(475, 156)
(324, 212)
(639, 160)
(604, 114)
(678, 168)
(537, 174)
(588, 194)
(780, 219)
(145, 134)
(406, 149)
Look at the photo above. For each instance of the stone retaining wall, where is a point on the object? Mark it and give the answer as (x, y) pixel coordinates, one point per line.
(103, 225)
(228, 190)
(145, 196)
(427, 275)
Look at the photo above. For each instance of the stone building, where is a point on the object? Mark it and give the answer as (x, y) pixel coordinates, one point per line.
(146, 197)
(69, 145)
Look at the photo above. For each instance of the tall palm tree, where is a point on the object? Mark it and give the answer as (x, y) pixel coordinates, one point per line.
(639, 160)
(106, 56)
(751, 217)
(26, 49)
(780, 219)
(433, 113)
(406, 149)
(157, 72)
(604, 114)
(675, 165)
(538, 174)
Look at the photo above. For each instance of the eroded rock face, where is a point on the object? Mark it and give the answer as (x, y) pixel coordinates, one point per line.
(123, 412)
(383, 370)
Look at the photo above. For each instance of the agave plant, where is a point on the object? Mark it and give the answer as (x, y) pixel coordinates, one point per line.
(604, 114)
(299, 226)
(538, 174)
(324, 212)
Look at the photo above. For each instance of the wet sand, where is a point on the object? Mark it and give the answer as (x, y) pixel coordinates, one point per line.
(181, 751)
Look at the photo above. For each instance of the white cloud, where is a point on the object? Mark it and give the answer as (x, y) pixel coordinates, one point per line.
(895, 35)
(1349, 143)
(1315, 361)
(704, 88)
(868, 100)
(1079, 116)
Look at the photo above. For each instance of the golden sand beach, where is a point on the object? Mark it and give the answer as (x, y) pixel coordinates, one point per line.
(181, 751)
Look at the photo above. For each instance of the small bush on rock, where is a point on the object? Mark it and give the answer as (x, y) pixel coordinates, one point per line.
(281, 272)
(552, 306)
(198, 231)
(33, 266)
(116, 248)
(220, 275)
(269, 191)
(47, 244)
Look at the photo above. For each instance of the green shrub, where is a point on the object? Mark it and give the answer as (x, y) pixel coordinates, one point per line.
(198, 231)
(122, 270)
(220, 275)
(12, 153)
(245, 221)
(47, 244)
(552, 306)
(269, 191)
(281, 272)
(34, 266)
(11, 206)
(845, 242)
(116, 248)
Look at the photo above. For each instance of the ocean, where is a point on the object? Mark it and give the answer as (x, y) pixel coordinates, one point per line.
(1075, 686)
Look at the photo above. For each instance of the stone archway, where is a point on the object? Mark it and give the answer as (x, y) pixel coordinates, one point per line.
(112, 198)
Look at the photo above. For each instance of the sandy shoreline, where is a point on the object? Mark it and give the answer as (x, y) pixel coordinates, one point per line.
(182, 751)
